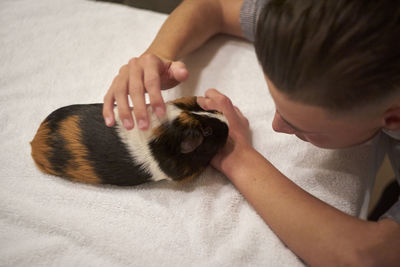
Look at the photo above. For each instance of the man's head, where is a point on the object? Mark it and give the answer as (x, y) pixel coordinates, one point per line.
(339, 60)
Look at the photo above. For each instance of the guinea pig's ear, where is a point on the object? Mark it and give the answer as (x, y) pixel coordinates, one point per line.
(192, 138)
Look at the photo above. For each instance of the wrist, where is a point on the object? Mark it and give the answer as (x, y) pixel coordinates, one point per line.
(166, 57)
(233, 163)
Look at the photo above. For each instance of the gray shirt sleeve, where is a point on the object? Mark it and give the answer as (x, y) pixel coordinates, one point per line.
(393, 213)
(393, 151)
(248, 16)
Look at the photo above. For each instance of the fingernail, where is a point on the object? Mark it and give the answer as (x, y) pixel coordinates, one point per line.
(128, 124)
(108, 121)
(142, 124)
(159, 112)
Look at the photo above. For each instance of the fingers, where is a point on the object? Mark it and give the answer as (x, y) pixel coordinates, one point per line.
(220, 99)
(214, 100)
(152, 82)
(145, 77)
(117, 92)
(221, 103)
(120, 93)
(203, 102)
(137, 94)
(241, 116)
(147, 73)
(108, 109)
(178, 71)
(174, 73)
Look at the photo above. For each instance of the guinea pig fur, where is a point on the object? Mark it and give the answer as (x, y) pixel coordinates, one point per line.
(73, 142)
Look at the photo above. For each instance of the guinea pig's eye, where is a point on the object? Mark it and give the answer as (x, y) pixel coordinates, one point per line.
(207, 131)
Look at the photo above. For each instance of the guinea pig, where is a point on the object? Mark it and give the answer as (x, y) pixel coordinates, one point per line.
(73, 142)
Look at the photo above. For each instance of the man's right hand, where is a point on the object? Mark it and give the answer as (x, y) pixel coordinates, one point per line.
(147, 73)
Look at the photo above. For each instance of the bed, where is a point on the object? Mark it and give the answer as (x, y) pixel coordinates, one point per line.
(60, 52)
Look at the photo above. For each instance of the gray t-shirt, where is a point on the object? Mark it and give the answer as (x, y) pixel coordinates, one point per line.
(248, 20)
(248, 16)
(392, 147)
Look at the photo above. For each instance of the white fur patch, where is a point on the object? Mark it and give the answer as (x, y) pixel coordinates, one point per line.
(137, 140)
(218, 116)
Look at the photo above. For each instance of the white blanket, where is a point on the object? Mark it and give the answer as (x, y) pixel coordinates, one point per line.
(60, 52)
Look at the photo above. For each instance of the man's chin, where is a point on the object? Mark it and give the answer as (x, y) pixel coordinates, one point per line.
(302, 138)
(323, 146)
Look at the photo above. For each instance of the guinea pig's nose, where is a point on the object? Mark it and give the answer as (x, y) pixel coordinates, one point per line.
(207, 131)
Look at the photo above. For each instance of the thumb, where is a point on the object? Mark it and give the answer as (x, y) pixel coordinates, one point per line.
(178, 71)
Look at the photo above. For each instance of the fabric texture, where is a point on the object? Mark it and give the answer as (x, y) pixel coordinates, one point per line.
(248, 17)
(61, 52)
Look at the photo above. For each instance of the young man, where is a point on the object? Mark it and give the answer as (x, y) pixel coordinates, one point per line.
(333, 70)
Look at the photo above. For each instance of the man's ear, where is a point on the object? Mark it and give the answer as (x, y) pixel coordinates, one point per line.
(391, 118)
(192, 138)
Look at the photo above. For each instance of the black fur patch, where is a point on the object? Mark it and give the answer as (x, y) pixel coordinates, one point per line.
(59, 156)
(178, 165)
(190, 104)
(107, 154)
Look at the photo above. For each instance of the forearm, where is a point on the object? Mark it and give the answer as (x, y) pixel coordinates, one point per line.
(315, 231)
(191, 24)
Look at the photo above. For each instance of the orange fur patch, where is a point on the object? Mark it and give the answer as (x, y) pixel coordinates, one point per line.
(189, 178)
(79, 168)
(159, 131)
(187, 119)
(41, 151)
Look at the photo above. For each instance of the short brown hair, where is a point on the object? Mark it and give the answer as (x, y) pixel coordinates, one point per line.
(336, 54)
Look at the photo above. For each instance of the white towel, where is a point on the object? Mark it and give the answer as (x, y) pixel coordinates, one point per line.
(61, 52)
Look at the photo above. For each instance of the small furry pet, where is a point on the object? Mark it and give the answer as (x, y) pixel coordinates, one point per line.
(73, 142)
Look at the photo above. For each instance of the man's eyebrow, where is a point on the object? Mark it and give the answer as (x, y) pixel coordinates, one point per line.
(291, 125)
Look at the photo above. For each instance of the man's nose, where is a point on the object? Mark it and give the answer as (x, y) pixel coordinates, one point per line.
(280, 126)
